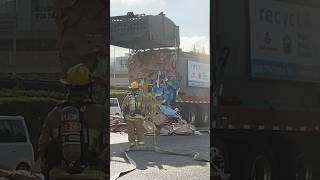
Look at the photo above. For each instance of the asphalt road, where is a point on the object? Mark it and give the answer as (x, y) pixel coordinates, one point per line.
(155, 166)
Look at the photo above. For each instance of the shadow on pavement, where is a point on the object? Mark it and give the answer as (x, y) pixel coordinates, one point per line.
(150, 159)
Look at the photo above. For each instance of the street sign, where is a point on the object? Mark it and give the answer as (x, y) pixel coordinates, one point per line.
(198, 74)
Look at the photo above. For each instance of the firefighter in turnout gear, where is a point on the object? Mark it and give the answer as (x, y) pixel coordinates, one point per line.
(132, 108)
(73, 138)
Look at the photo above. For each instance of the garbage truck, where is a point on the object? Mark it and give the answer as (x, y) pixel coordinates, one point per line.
(193, 95)
(265, 93)
(155, 57)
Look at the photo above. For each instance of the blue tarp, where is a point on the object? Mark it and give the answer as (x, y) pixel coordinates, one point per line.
(167, 110)
(167, 87)
(168, 94)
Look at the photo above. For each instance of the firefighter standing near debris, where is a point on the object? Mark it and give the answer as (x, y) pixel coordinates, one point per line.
(73, 137)
(132, 106)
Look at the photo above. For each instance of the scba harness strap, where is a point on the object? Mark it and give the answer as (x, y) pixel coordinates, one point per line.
(133, 105)
(73, 131)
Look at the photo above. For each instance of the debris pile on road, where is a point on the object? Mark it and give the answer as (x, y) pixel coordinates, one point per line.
(168, 122)
(116, 119)
(156, 71)
(117, 123)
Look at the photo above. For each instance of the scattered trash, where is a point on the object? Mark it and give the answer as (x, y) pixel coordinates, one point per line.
(197, 133)
(157, 69)
(166, 130)
(122, 127)
(150, 127)
(117, 124)
(166, 122)
(116, 119)
(160, 119)
(169, 125)
(183, 129)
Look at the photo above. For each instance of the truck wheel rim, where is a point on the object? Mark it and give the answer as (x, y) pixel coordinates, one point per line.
(217, 159)
(303, 171)
(261, 169)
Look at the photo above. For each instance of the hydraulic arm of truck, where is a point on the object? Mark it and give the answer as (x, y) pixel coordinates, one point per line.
(219, 64)
(217, 87)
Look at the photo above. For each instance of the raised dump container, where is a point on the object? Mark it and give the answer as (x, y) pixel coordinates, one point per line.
(143, 31)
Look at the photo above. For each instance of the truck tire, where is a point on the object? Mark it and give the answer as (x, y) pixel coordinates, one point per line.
(260, 164)
(303, 167)
(294, 157)
(219, 155)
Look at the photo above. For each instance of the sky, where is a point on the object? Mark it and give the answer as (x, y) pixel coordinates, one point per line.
(192, 17)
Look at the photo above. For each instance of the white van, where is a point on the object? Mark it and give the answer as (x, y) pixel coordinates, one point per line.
(15, 144)
(115, 107)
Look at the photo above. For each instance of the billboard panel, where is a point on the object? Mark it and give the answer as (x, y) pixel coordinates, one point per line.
(198, 74)
(284, 41)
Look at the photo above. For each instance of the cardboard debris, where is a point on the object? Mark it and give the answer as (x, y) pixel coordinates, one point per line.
(117, 123)
(166, 130)
(147, 64)
(159, 119)
(150, 127)
(116, 119)
(159, 124)
(147, 104)
(169, 125)
(121, 127)
(183, 129)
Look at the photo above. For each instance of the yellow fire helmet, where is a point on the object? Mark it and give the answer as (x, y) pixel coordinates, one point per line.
(77, 75)
(134, 85)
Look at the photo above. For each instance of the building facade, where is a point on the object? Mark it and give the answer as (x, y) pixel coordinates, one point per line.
(28, 39)
(119, 72)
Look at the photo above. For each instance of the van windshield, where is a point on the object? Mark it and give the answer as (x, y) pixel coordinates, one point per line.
(114, 103)
(12, 131)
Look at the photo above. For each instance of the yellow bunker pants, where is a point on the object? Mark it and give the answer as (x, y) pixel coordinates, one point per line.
(135, 128)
